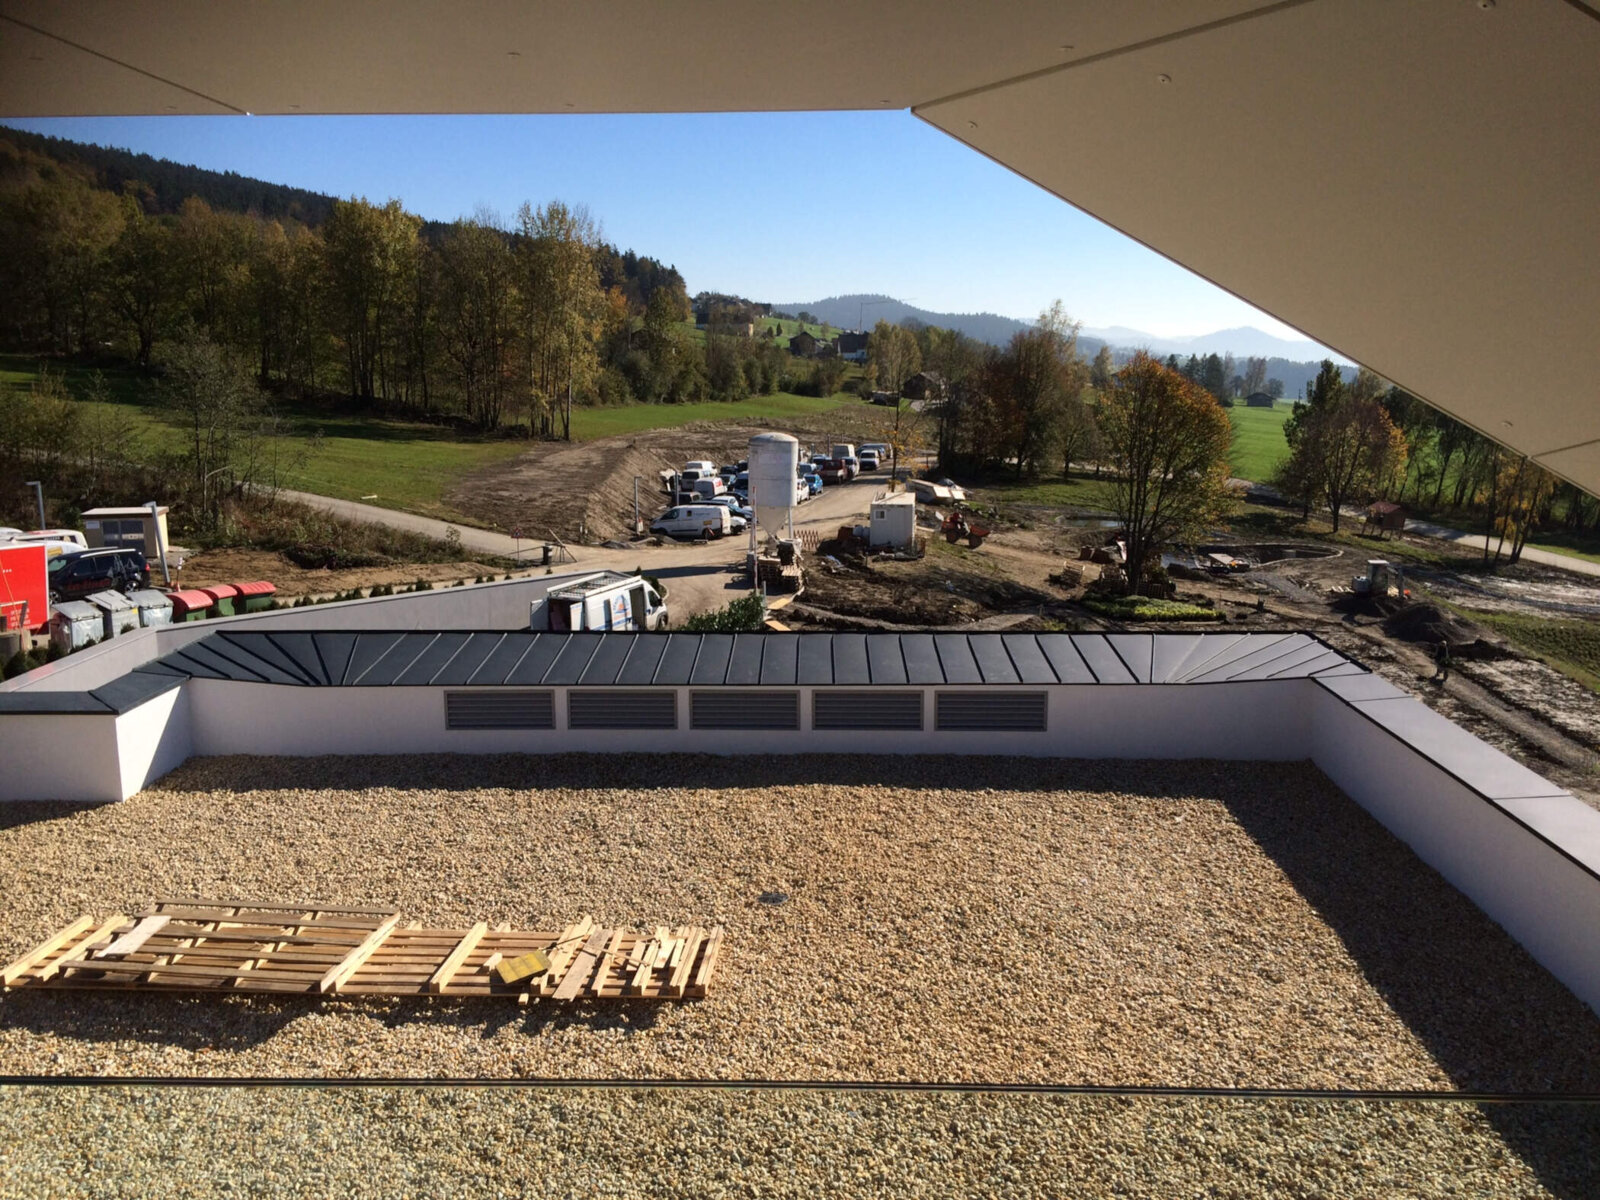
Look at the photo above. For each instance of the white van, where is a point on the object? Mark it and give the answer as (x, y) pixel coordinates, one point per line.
(701, 465)
(692, 480)
(693, 521)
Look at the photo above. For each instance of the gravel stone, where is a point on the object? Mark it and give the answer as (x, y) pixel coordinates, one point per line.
(999, 920)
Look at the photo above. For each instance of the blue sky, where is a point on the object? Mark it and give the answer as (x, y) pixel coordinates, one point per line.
(778, 207)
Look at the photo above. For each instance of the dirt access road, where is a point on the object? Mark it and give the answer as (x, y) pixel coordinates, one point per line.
(699, 575)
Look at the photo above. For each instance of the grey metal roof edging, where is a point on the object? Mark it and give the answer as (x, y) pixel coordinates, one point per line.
(390, 658)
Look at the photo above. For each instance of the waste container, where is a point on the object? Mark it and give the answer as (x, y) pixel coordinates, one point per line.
(254, 597)
(223, 596)
(76, 624)
(155, 608)
(118, 613)
(191, 605)
(548, 549)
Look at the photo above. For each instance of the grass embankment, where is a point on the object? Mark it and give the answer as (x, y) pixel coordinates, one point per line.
(388, 461)
(1258, 442)
(1571, 646)
(1085, 492)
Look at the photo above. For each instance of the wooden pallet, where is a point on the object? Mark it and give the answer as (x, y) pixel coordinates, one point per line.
(321, 949)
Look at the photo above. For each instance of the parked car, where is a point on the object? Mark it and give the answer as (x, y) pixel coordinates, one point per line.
(869, 460)
(694, 521)
(833, 470)
(704, 465)
(881, 449)
(852, 464)
(73, 576)
(813, 480)
(731, 503)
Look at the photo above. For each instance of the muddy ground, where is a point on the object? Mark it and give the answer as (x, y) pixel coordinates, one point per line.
(584, 491)
(202, 568)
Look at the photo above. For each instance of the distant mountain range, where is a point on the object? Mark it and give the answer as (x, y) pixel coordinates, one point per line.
(1294, 362)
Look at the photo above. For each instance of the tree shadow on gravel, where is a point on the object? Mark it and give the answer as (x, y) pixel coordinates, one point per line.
(1493, 1018)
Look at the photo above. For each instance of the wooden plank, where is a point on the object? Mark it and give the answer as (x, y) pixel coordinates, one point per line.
(572, 983)
(82, 948)
(701, 979)
(680, 971)
(563, 952)
(271, 906)
(457, 956)
(190, 970)
(137, 936)
(44, 949)
(346, 967)
(613, 951)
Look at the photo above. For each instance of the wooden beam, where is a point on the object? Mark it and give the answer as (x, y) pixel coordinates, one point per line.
(338, 975)
(44, 950)
(582, 967)
(441, 977)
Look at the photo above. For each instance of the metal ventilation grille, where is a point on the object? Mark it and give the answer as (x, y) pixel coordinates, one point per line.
(866, 710)
(1021, 712)
(744, 710)
(499, 710)
(622, 710)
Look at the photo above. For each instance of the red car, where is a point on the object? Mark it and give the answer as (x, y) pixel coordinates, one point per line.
(834, 471)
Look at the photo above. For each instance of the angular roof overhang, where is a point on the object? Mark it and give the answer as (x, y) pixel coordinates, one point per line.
(1411, 184)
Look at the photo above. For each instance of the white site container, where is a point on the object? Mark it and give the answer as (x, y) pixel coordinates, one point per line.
(76, 624)
(155, 608)
(118, 613)
(894, 520)
(774, 458)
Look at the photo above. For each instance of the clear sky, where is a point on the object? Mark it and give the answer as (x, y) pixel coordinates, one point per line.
(776, 207)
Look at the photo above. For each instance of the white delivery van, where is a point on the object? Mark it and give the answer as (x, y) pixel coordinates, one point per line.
(693, 521)
(845, 452)
(606, 602)
(702, 465)
(693, 478)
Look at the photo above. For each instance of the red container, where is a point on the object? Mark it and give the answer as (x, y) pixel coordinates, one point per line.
(254, 597)
(25, 582)
(222, 595)
(190, 605)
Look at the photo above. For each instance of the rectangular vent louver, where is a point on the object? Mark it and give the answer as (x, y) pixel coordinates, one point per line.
(499, 710)
(1019, 712)
(744, 710)
(866, 710)
(619, 709)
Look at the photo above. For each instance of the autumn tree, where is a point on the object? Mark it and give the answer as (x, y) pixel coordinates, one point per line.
(1345, 449)
(1037, 383)
(893, 355)
(142, 280)
(562, 308)
(1102, 369)
(1168, 442)
(477, 311)
(371, 255)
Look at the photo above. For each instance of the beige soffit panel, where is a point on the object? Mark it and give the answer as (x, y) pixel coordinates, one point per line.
(45, 76)
(476, 56)
(1410, 183)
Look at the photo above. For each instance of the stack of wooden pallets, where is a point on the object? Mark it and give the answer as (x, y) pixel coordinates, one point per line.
(321, 949)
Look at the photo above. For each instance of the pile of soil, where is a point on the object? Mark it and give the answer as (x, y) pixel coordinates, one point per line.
(913, 594)
(1429, 625)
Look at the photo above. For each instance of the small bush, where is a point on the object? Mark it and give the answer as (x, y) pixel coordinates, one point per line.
(1145, 608)
(743, 615)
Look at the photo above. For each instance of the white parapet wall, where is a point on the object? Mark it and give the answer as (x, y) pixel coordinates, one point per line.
(1525, 851)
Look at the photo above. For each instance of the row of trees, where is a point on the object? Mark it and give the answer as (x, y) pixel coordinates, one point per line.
(496, 324)
(1353, 442)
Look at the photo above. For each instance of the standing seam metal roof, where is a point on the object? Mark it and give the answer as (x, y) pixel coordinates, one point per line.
(494, 659)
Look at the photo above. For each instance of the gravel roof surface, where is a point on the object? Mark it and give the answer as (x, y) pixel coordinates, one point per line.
(384, 1142)
(972, 919)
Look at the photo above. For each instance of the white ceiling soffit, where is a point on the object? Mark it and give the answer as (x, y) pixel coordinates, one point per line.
(510, 56)
(1411, 183)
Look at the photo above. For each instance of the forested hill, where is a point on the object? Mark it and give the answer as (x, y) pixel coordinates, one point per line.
(161, 185)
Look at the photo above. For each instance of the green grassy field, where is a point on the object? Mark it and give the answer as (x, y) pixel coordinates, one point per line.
(1258, 442)
(400, 464)
(1570, 646)
(1077, 492)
